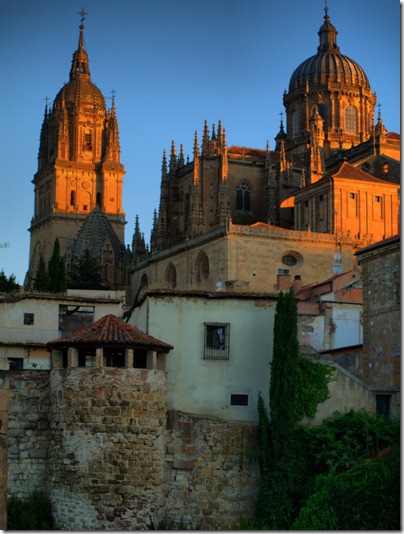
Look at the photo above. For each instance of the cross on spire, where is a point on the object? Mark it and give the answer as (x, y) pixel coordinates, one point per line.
(83, 14)
(281, 115)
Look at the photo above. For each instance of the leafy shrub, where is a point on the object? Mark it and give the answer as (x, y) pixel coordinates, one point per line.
(34, 513)
(365, 497)
(345, 439)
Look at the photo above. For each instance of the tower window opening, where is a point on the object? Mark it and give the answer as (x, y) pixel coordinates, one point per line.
(243, 197)
(73, 198)
(87, 140)
(351, 120)
(99, 199)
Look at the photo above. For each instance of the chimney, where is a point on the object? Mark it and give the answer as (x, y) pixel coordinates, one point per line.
(283, 280)
(297, 283)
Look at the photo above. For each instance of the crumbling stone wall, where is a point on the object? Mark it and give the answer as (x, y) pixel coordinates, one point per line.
(107, 449)
(28, 432)
(101, 444)
(211, 480)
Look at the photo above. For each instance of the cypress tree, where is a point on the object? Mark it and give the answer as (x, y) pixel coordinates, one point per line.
(284, 375)
(41, 281)
(56, 270)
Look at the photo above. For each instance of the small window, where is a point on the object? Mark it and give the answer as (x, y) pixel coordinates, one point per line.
(378, 199)
(237, 399)
(217, 341)
(73, 198)
(352, 196)
(29, 319)
(16, 364)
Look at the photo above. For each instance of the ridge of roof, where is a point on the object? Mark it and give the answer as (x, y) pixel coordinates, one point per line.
(111, 330)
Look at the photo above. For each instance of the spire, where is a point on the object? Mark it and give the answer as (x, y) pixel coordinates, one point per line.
(196, 145)
(173, 158)
(205, 138)
(181, 157)
(327, 34)
(80, 66)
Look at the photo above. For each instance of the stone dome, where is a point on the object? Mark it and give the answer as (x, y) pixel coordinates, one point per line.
(82, 91)
(328, 65)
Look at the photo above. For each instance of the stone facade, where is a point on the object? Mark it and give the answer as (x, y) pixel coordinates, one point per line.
(381, 314)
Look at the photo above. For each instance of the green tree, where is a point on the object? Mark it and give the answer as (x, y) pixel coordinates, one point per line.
(8, 284)
(56, 270)
(41, 280)
(286, 473)
(86, 273)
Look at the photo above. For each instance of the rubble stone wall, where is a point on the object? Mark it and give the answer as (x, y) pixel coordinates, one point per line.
(102, 445)
(28, 432)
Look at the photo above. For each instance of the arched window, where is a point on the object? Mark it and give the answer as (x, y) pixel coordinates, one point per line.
(351, 120)
(72, 198)
(87, 139)
(99, 199)
(144, 282)
(323, 111)
(171, 276)
(243, 197)
(295, 124)
(202, 267)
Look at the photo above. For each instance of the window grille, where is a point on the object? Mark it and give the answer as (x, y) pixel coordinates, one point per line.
(217, 341)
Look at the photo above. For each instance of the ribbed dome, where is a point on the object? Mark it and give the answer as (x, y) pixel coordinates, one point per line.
(80, 91)
(328, 65)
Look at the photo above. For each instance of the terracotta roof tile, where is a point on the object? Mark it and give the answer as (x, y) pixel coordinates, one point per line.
(348, 171)
(110, 330)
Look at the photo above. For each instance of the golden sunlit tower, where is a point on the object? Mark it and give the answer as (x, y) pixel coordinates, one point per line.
(79, 164)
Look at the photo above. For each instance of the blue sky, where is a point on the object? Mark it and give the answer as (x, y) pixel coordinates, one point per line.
(173, 64)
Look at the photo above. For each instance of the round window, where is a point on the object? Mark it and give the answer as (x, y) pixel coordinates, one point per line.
(292, 259)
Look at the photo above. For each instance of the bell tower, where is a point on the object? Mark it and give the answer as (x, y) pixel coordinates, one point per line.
(79, 164)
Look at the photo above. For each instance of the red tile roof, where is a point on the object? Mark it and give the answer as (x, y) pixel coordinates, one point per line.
(348, 171)
(110, 331)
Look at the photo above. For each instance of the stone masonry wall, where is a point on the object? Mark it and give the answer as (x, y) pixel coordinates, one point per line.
(28, 432)
(101, 444)
(107, 450)
(210, 481)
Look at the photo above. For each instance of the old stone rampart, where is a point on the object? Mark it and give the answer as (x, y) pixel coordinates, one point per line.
(28, 432)
(102, 445)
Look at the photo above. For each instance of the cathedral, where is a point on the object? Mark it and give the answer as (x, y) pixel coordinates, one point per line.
(329, 187)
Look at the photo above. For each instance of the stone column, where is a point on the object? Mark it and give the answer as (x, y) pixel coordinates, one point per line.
(154, 359)
(72, 357)
(129, 358)
(99, 357)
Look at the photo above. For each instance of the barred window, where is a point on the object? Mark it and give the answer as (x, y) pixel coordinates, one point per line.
(217, 341)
